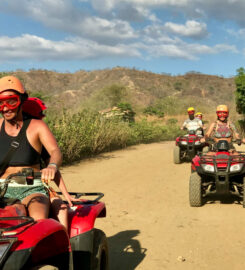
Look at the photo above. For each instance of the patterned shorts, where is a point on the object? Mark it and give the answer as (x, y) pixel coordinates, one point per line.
(20, 191)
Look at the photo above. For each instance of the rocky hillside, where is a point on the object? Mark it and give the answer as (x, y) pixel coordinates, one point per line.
(72, 89)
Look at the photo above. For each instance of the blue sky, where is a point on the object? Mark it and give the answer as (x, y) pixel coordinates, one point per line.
(162, 36)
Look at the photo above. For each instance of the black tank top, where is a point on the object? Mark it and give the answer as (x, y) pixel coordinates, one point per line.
(25, 154)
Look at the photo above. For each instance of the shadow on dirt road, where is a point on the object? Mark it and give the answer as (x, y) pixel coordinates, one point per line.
(124, 251)
(225, 199)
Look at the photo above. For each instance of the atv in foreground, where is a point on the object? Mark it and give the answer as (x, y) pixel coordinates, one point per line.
(221, 173)
(186, 147)
(45, 244)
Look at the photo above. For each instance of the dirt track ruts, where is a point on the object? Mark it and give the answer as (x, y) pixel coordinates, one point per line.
(149, 222)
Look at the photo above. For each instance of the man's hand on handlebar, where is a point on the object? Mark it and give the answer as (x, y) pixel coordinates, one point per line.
(238, 141)
(202, 140)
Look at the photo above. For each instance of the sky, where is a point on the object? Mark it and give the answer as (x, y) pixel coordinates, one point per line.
(160, 36)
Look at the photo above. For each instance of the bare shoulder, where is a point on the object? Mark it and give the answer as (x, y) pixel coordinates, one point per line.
(38, 125)
(211, 127)
(1, 122)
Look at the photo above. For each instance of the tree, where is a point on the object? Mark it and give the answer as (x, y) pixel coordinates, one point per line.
(240, 90)
(110, 96)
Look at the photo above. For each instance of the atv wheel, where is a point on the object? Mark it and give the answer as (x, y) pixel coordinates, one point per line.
(177, 155)
(205, 150)
(100, 251)
(44, 267)
(243, 197)
(195, 190)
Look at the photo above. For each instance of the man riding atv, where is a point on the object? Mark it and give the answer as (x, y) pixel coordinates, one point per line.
(192, 124)
(187, 146)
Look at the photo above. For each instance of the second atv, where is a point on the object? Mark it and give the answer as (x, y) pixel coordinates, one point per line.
(186, 147)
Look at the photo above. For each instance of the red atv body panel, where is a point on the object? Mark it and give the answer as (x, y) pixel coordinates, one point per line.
(47, 238)
(82, 219)
(191, 138)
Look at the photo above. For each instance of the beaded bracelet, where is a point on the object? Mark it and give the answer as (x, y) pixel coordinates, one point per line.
(54, 165)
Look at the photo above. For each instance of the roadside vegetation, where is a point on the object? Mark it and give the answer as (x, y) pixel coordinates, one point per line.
(107, 121)
(88, 133)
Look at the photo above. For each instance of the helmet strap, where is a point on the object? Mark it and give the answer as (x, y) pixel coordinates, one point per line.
(223, 121)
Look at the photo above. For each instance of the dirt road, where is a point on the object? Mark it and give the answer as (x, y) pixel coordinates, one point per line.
(149, 223)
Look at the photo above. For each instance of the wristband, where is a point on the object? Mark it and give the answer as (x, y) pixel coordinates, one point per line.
(53, 165)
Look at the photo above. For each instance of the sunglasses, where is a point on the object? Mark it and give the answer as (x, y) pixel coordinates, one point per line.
(222, 113)
(11, 102)
(191, 112)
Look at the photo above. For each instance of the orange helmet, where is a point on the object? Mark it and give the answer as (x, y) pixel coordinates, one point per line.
(222, 111)
(222, 108)
(11, 83)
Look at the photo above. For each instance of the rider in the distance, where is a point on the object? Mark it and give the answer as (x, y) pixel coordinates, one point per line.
(192, 123)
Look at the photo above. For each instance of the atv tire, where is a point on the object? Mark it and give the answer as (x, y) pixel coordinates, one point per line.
(195, 190)
(44, 267)
(177, 159)
(243, 197)
(100, 251)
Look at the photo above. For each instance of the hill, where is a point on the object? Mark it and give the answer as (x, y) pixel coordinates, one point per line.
(74, 90)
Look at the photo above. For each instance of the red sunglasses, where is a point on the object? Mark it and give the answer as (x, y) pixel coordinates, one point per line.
(191, 112)
(11, 102)
(222, 113)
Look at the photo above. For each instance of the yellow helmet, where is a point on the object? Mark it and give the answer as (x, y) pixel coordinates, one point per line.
(198, 113)
(191, 110)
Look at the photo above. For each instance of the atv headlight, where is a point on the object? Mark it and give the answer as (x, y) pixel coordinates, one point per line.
(208, 167)
(197, 143)
(236, 167)
(184, 142)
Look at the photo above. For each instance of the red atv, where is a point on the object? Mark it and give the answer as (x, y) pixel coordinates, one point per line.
(186, 147)
(28, 244)
(221, 172)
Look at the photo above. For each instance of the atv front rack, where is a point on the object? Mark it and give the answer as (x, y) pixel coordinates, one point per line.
(222, 161)
(190, 139)
(79, 195)
(222, 158)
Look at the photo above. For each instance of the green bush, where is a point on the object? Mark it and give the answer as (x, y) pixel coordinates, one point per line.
(108, 97)
(172, 121)
(128, 112)
(153, 110)
(146, 132)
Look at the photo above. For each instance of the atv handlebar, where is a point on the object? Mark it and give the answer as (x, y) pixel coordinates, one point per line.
(30, 175)
(79, 195)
